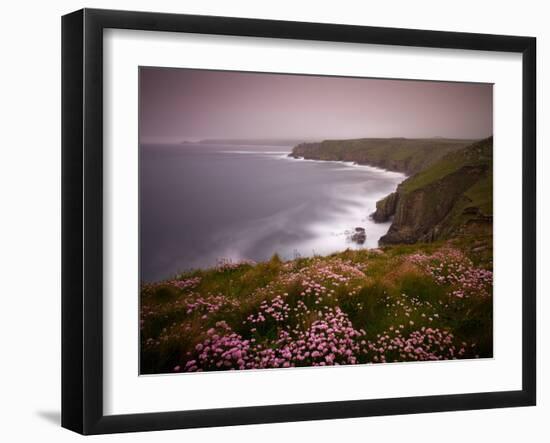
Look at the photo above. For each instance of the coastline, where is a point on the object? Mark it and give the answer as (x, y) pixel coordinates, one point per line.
(328, 231)
(309, 208)
(408, 156)
(374, 214)
(446, 192)
(351, 163)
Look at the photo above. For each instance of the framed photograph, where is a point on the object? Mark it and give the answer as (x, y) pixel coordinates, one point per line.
(269, 221)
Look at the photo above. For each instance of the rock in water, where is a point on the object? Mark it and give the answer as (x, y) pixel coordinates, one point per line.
(359, 236)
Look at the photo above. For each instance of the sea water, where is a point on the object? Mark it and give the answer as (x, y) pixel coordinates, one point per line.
(202, 203)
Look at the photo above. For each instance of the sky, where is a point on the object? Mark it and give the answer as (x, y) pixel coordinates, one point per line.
(186, 104)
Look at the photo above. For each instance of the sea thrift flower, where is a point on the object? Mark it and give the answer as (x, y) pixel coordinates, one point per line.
(187, 283)
(451, 267)
(302, 316)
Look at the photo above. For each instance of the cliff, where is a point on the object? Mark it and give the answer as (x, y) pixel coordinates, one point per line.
(452, 197)
(395, 154)
(385, 208)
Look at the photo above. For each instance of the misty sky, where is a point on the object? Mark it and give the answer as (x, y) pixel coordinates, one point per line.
(185, 104)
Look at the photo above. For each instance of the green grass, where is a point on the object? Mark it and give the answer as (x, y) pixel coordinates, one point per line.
(477, 154)
(481, 194)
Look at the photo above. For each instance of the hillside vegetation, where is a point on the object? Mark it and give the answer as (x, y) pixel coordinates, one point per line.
(402, 303)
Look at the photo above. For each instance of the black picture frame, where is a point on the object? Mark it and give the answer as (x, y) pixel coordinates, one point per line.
(82, 220)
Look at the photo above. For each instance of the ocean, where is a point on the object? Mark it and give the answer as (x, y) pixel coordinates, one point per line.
(203, 203)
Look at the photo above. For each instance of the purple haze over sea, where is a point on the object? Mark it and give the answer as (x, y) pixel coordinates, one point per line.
(186, 104)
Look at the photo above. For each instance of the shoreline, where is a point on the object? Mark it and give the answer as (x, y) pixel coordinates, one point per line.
(350, 163)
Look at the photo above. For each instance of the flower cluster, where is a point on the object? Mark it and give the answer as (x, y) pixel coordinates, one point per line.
(276, 308)
(331, 340)
(222, 349)
(451, 267)
(187, 283)
(418, 345)
(209, 304)
(338, 310)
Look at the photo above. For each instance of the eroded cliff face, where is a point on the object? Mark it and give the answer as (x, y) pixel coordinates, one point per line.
(427, 214)
(385, 208)
(451, 198)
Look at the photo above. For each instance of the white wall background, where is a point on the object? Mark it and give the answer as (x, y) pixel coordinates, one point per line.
(30, 218)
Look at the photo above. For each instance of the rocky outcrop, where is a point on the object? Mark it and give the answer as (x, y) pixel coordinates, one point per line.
(359, 236)
(385, 208)
(451, 198)
(425, 214)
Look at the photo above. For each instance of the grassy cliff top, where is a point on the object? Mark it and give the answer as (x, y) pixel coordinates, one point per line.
(477, 154)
